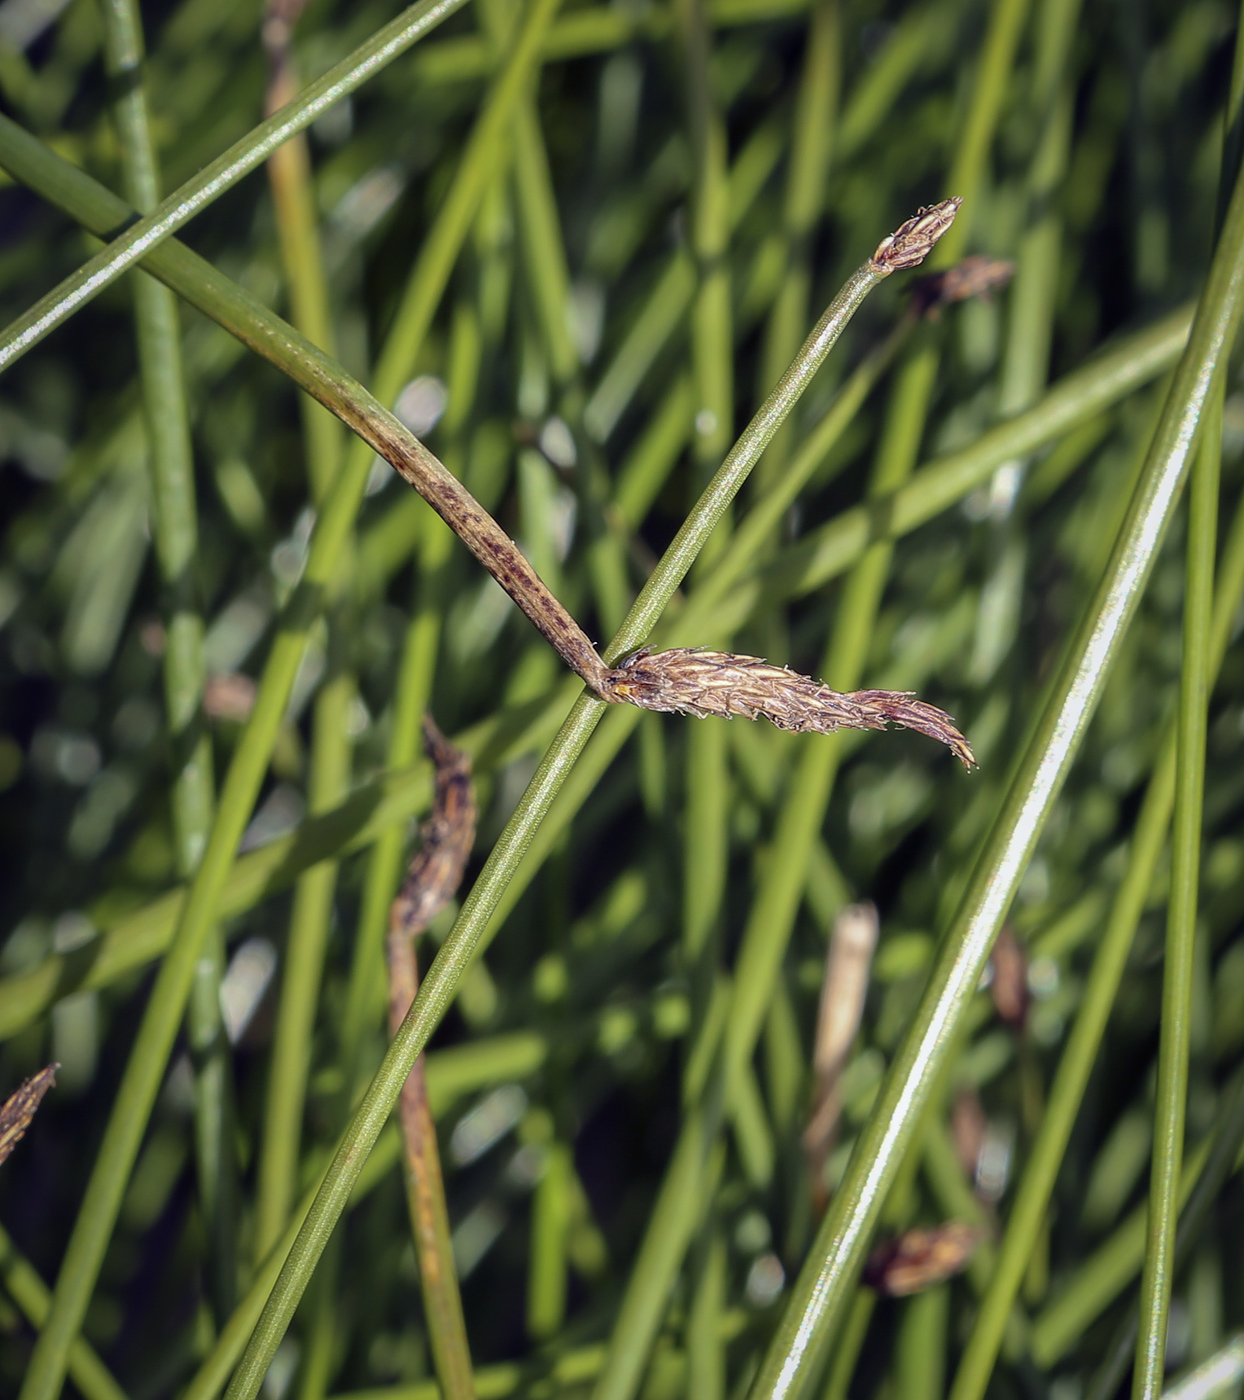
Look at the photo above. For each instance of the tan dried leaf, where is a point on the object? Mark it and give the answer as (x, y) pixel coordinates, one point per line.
(693, 681)
(20, 1107)
(920, 1258)
(912, 242)
(844, 988)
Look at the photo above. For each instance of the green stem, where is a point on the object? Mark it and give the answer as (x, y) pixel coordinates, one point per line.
(175, 524)
(441, 982)
(148, 232)
(825, 1283)
(31, 1295)
(293, 197)
(1032, 1197)
(309, 924)
(811, 146)
(1172, 1092)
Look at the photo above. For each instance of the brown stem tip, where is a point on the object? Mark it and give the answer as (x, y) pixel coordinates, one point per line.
(435, 870)
(912, 242)
(691, 681)
(19, 1108)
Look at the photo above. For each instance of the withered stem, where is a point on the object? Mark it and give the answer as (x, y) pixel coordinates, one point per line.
(848, 965)
(431, 881)
(684, 681)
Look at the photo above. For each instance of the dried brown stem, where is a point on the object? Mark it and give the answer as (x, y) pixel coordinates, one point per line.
(482, 536)
(20, 1107)
(848, 964)
(692, 681)
(434, 875)
(683, 681)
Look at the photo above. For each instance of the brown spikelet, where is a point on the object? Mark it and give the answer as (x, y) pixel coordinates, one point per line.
(19, 1108)
(435, 870)
(920, 1258)
(912, 242)
(976, 276)
(691, 681)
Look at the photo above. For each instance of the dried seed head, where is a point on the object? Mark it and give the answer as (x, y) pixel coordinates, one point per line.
(19, 1108)
(435, 869)
(920, 1258)
(912, 242)
(690, 681)
(973, 277)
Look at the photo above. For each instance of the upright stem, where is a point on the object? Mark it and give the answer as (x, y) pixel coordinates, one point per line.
(1172, 1092)
(175, 521)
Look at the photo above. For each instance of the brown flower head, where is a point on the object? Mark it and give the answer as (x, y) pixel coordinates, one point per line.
(19, 1108)
(691, 681)
(912, 242)
(976, 276)
(921, 1258)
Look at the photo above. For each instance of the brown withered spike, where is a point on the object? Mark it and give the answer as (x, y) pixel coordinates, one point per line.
(921, 1257)
(18, 1110)
(976, 276)
(435, 870)
(694, 681)
(913, 241)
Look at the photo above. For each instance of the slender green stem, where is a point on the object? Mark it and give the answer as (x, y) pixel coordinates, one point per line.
(226, 170)
(811, 146)
(309, 925)
(1066, 1093)
(825, 1283)
(456, 953)
(172, 464)
(31, 1295)
(176, 538)
(830, 549)
(1172, 1092)
(289, 177)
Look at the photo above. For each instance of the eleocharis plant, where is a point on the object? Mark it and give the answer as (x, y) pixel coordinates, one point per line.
(548, 264)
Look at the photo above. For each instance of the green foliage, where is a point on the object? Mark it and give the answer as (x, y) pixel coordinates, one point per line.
(574, 248)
